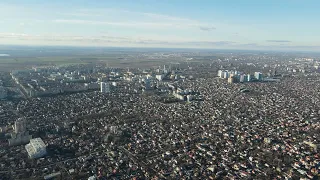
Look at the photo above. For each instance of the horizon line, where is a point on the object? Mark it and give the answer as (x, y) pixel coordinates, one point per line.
(181, 48)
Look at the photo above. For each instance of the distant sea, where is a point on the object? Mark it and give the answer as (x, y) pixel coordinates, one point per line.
(4, 55)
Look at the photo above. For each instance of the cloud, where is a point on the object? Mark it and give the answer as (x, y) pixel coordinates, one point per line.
(101, 11)
(214, 43)
(133, 19)
(83, 39)
(107, 39)
(118, 23)
(206, 28)
(114, 23)
(302, 47)
(163, 17)
(115, 41)
(12, 35)
(78, 14)
(279, 41)
(134, 24)
(151, 42)
(249, 44)
(284, 47)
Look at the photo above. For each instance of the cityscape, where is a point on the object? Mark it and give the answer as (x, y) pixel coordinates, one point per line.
(202, 117)
(159, 90)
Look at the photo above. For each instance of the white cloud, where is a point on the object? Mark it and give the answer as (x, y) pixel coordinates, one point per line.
(133, 19)
(79, 14)
(12, 35)
(135, 24)
(207, 28)
(279, 41)
(165, 17)
(111, 23)
(107, 39)
(118, 41)
(103, 11)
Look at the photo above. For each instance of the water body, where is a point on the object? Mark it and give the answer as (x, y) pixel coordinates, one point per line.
(4, 55)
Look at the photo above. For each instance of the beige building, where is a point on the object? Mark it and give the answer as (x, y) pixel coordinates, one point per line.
(20, 135)
(36, 148)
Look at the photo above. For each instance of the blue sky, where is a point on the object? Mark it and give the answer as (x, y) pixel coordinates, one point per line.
(216, 24)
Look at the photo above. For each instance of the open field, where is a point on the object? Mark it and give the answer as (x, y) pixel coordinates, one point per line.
(11, 63)
(21, 57)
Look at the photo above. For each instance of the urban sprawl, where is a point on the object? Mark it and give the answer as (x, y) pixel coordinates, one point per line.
(236, 116)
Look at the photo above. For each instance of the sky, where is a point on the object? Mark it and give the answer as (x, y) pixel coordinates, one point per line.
(208, 24)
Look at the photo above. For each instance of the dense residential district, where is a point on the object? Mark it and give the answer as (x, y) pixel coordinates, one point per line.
(232, 117)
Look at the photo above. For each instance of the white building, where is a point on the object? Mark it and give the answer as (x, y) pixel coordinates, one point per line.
(189, 98)
(20, 125)
(114, 83)
(258, 75)
(249, 78)
(92, 178)
(159, 77)
(178, 95)
(225, 75)
(104, 87)
(242, 78)
(36, 148)
(220, 74)
(20, 135)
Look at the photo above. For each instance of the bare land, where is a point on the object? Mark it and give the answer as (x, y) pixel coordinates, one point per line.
(11, 63)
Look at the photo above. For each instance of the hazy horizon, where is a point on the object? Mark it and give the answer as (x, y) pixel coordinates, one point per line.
(247, 25)
(18, 47)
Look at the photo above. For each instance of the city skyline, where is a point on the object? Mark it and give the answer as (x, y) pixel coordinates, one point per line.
(271, 25)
